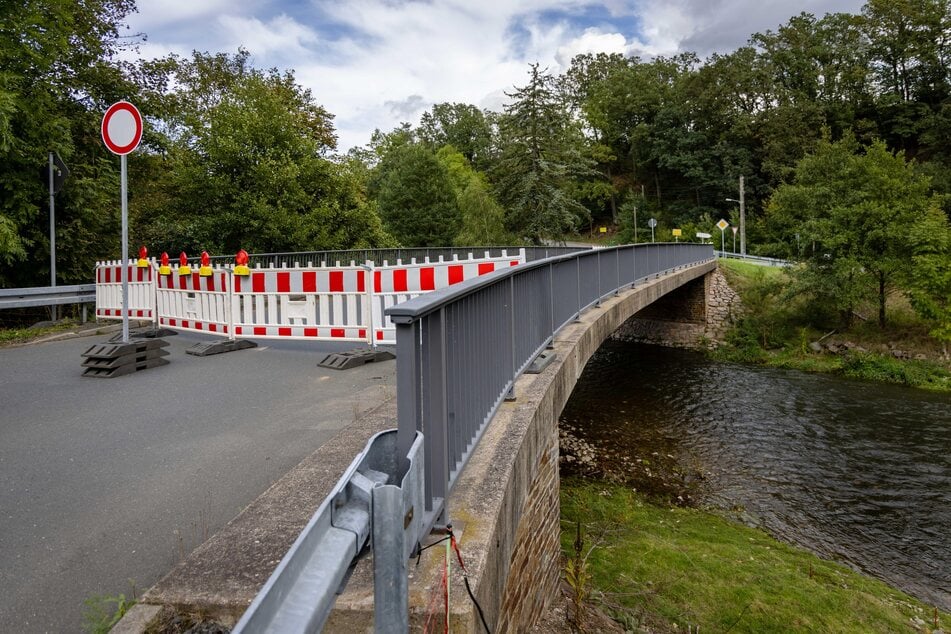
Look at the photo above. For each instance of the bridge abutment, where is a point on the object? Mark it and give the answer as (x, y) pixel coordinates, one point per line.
(696, 315)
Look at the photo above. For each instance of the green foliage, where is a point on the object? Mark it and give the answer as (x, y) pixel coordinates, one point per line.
(930, 277)
(853, 209)
(481, 217)
(58, 70)
(676, 569)
(462, 126)
(246, 166)
(540, 155)
(101, 613)
(416, 198)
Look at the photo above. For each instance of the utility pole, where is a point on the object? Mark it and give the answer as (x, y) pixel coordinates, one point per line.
(742, 218)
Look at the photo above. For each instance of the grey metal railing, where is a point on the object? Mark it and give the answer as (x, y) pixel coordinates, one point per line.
(755, 259)
(49, 296)
(461, 349)
(378, 256)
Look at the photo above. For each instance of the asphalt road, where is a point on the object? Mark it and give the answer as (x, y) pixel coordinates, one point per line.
(106, 483)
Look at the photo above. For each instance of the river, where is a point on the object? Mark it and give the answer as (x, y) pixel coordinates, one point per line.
(854, 471)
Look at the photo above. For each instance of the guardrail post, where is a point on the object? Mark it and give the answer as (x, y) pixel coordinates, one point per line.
(390, 578)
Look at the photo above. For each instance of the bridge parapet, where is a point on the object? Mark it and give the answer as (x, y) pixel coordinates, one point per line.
(462, 351)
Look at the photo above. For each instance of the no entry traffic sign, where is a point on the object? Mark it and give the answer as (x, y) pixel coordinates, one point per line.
(122, 128)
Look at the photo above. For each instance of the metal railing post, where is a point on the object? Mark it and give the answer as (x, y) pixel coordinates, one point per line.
(408, 406)
(434, 412)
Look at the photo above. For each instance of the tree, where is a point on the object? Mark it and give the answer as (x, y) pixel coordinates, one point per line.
(481, 217)
(929, 277)
(416, 198)
(854, 209)
(460, 125)
(247, 166)
(539, 158)
(57, 74)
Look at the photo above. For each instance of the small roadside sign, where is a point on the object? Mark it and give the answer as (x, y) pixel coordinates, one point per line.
(603, 229)
(722, 225)
(652, 223)
(676, 232)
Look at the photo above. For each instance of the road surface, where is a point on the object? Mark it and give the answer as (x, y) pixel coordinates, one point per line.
(106, 483)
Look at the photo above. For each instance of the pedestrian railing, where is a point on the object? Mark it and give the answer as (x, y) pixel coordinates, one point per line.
(460, 350)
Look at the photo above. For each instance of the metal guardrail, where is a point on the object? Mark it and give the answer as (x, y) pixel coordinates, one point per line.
(47, 296)
(755, 259)
(378, 256)
(460, 350)
(378, 484)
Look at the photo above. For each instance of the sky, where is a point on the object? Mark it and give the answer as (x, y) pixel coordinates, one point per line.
(376, 63)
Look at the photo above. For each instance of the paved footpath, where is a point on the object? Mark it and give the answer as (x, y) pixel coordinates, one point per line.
(106, 483)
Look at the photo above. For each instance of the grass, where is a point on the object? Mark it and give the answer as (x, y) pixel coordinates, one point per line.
(677, 569)
(102, 612)
(10, 336)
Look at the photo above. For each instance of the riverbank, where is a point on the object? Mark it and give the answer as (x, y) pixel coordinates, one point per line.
(661, 568)
(779, 331)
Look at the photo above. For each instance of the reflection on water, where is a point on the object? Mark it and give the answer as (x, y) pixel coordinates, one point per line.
(855, 471)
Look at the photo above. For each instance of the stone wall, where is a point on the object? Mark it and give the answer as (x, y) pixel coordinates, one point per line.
(696, 315)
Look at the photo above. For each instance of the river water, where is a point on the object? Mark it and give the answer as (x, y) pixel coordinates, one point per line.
(854, 471)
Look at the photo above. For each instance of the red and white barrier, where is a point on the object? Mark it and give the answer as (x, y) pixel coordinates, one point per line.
(195, 302)
(303, 303)
(340, 303)
(401, 282)
(109, 290)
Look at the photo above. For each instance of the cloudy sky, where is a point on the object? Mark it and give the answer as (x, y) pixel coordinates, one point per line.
(375, 63)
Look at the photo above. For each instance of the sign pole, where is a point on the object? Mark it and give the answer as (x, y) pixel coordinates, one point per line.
(121, 132)
(125, 249)
(52, 233)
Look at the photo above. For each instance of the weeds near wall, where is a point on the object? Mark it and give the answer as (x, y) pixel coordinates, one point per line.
(578, 579)
(102, 612)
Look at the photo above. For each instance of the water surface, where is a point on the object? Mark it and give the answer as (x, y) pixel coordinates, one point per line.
(855, 471)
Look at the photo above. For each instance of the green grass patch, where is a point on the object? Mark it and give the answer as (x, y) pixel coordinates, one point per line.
(23, 335)
(101, 612)
(677, 569)
(776, 329)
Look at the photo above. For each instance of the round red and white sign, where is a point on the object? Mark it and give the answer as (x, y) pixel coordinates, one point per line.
(122, 128)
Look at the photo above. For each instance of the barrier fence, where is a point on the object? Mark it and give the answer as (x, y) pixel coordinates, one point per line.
(331, 303)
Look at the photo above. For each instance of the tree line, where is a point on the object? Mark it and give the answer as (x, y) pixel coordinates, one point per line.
(841, 126)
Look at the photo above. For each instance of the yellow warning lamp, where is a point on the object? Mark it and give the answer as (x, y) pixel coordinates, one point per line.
(205, 269)
(183, 268)
(241, 263)
(164, 269)
(143, 262)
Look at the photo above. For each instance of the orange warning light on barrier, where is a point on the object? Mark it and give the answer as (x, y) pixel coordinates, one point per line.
(183, 268)
(205, 269)
(241, 263)
(164, 269)
(143, 262)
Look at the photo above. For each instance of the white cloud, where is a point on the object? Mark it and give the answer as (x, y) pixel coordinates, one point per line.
(375, 63)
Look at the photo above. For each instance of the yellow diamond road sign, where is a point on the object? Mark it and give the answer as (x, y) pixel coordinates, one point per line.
(722, 225)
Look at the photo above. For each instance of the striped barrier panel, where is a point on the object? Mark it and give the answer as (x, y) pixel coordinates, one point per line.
(194, 302)
(109, 290)
(401, 282)
(320, 303)
(339, 303)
